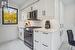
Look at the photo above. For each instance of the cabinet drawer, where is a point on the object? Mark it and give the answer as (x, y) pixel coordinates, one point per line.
(37, 45)
(37, 35)
(45, 47)
(45, 37)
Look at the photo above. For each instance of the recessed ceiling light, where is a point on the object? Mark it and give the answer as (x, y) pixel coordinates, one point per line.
(4, 3)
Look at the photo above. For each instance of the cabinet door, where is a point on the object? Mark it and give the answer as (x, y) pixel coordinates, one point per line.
(45, 37)
(21, 33)
(46, 41)
(48, 7)
(37, 40)
(42, 41)
(37, 35)
(45, 47)
(37, 45)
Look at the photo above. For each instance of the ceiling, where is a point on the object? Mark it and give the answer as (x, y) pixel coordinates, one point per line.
(19, 2)
(68, 1)
(22, 2)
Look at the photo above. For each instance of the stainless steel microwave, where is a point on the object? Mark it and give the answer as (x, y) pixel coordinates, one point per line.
(32, 15)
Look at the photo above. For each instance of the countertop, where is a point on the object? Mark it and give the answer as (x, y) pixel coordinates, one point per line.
(46, 30)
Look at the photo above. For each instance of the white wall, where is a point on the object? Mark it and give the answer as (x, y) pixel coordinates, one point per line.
(69, 19)
(8, 32)
(57, 17)
(70, 15)
(62, 7)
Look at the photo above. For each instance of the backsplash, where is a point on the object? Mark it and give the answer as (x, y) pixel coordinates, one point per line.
(54, 24)
(33, 23)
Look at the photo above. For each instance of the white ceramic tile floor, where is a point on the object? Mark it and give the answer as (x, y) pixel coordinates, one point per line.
(19, 45)
(14, 45)
(66, 46)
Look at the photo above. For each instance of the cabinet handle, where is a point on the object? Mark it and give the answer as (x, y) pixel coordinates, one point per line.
(45, 33)
(45, 45)
(36, 41)
(36, 31)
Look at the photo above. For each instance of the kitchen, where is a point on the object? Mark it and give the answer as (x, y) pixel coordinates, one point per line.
(41, 25)
(35, 19)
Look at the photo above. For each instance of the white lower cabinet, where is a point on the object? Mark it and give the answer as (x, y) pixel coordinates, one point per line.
(21, 33)
(45, 47)
(46, 40)
(37, 40)
(41, 40)
(37, 45)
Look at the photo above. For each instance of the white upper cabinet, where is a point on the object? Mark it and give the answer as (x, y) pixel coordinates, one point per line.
(48, 7)
(45, 8)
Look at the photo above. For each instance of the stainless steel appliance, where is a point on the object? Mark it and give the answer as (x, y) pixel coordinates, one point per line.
(28, 37)
(32, 15)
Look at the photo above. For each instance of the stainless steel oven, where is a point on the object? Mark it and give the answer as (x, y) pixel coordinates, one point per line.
(28, 37)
